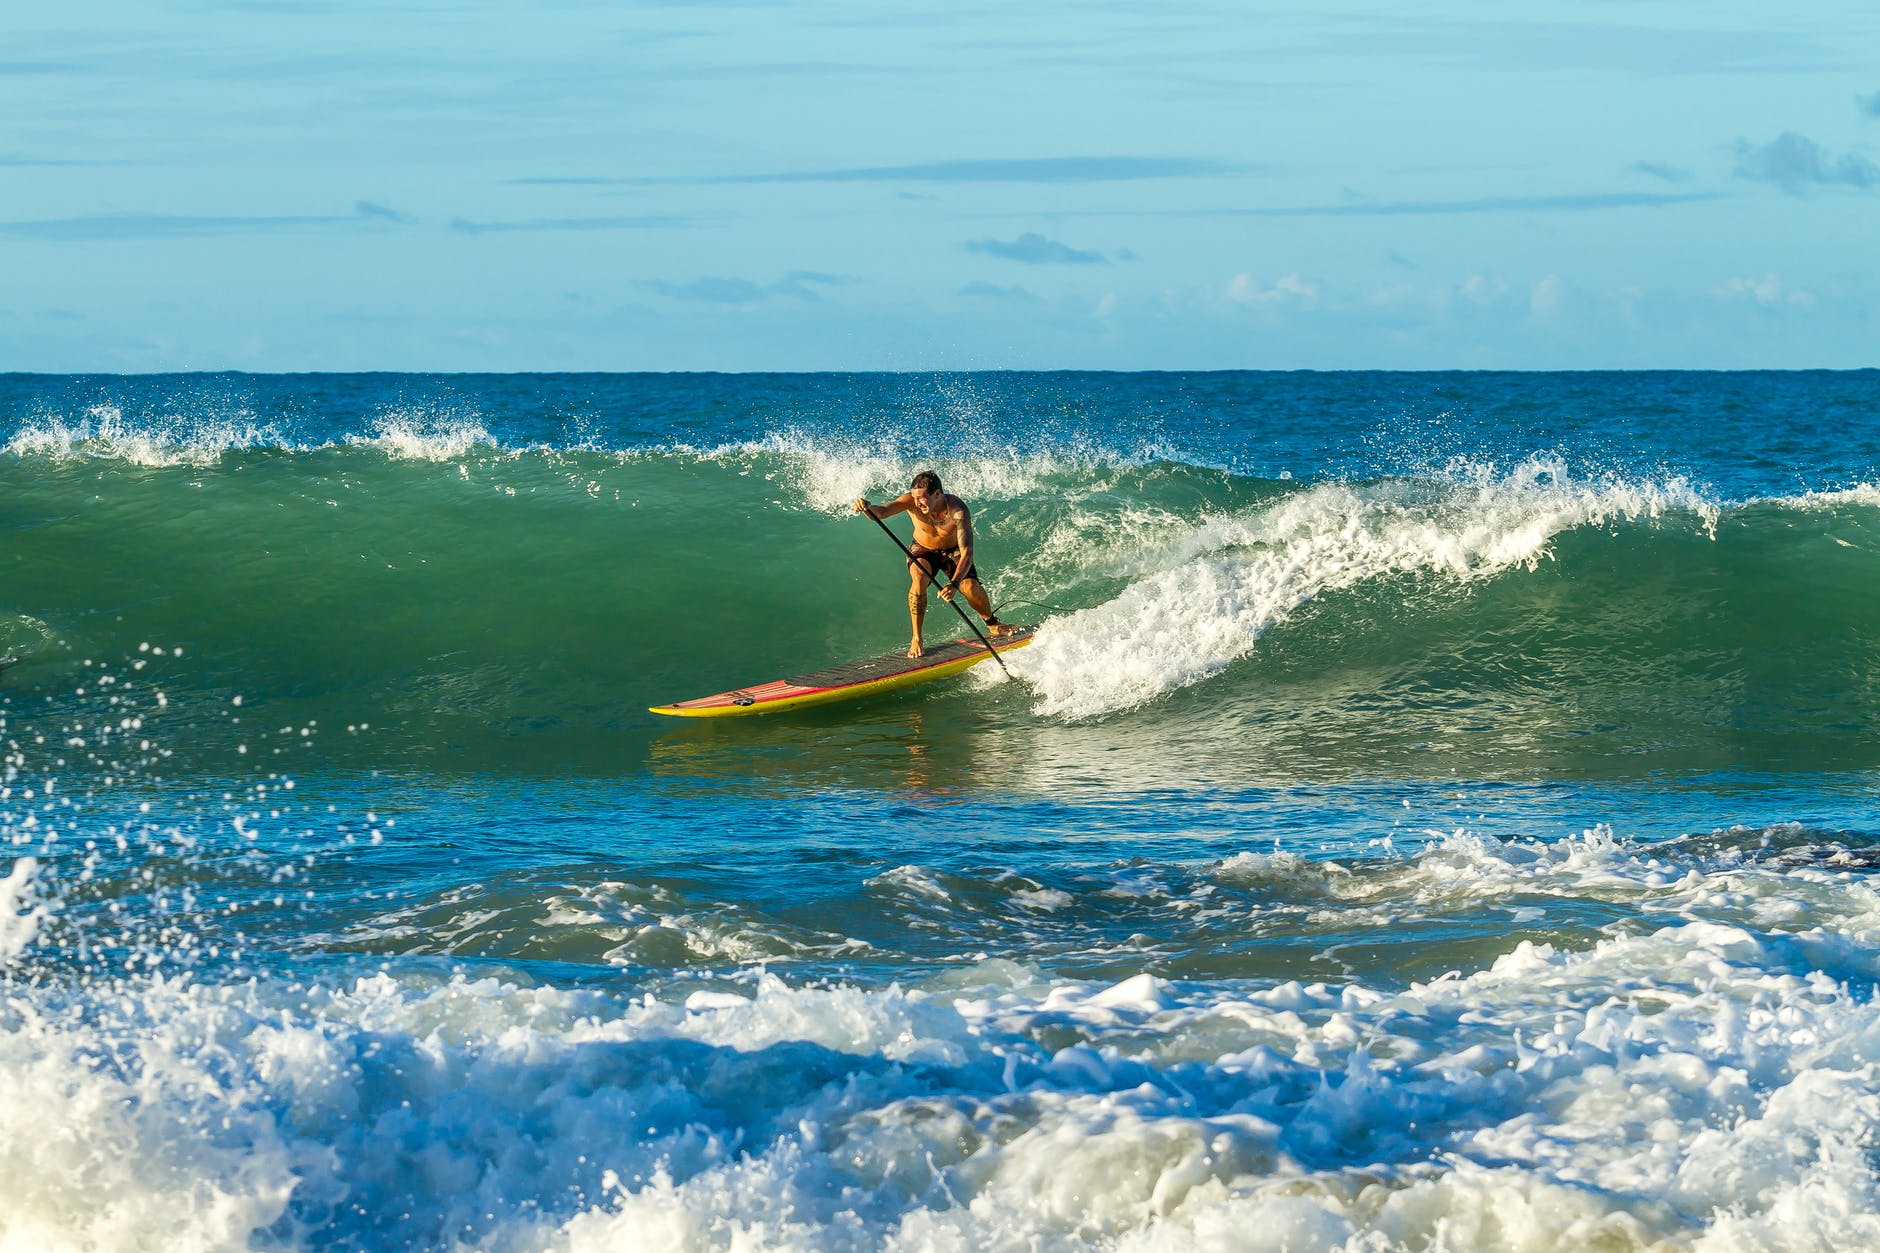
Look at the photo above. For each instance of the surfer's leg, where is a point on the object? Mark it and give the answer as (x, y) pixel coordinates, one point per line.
(982, 603)
(916, 604)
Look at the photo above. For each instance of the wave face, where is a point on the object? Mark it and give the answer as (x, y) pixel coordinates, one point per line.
(507, 591)
(1437, 812)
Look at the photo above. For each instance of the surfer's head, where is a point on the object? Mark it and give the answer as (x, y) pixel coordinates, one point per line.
(926, 484)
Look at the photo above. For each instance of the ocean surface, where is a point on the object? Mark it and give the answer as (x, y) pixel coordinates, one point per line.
(1438, 812)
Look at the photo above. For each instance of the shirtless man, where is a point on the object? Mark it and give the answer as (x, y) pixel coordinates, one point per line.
(943, 540)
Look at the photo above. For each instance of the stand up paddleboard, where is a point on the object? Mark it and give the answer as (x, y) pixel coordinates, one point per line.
(856, 679)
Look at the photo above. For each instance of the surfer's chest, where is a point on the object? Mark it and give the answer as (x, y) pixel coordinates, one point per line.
(935, 532)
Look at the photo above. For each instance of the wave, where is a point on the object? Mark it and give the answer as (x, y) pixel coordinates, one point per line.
(820, 470)
(104, 433)
(1217, 588)
(448, 590)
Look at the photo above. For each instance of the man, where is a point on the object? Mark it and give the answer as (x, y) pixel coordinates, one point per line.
(943, 540)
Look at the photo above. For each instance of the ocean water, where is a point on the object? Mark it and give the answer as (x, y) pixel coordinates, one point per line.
(1438, 811)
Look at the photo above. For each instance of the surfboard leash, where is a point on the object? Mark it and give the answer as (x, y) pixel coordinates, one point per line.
(1003, 605)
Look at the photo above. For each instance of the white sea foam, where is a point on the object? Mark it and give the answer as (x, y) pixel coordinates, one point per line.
(1704, 1080)
(608, 921)
(914, 880)
(830, 474)
(104, 433)
(1862, 494)
(1212, 592)
(416, 434)
(21, 911)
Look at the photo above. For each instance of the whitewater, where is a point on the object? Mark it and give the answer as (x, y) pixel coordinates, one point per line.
(1437, 813)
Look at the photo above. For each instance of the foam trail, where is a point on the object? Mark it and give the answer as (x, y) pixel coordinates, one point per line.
(1231, 578)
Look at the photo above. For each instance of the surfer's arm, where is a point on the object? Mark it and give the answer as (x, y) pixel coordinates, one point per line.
(963, 531)
(897, 505)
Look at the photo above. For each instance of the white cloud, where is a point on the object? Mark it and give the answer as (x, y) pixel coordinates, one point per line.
(1483, 290)
(1544, 299)
(1246, 290)
(1767, 291)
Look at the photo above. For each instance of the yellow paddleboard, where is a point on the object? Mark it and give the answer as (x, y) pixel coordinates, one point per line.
(847, 682)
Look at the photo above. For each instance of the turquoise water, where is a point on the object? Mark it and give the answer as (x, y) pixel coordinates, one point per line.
(1437, 811)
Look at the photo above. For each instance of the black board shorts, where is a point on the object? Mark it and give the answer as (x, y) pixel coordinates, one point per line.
(944, 559)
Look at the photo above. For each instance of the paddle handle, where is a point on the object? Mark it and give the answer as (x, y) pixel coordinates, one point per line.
(935, 580)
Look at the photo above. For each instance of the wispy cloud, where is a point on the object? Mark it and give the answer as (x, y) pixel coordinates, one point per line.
(1588, 203)
(1004, 295)
(1869, 105)
(1017, 170)
(656, 221)
(1661, 170)
(114, 226)
(1482, 204)
(805, 284)
(1795, 163)
(373, 209)
(173, 226)
(717, 290)
(710, 290)
(585, 180)
(995, 170)
(9, 69)
(1035, 249)
(1498, 46)
(160, 226)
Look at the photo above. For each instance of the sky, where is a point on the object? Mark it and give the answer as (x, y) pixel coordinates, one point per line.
(443, 185)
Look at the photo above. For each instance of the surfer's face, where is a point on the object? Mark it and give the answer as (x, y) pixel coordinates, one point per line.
(926, 502)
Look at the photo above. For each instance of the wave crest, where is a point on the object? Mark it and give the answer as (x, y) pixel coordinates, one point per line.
(105, 434)
(1215, 590)
(409, 434)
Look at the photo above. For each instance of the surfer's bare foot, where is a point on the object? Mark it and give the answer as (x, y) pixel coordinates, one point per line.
(1000, 629)
(915, 650)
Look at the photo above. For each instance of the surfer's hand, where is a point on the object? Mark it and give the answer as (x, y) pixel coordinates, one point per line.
(946, 593)
(861, 506)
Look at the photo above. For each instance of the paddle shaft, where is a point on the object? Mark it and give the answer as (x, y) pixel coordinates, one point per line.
(935, 580)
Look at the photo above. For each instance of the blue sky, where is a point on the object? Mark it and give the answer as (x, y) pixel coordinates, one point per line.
(433, 185)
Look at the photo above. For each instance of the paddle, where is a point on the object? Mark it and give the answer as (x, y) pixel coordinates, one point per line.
(935, 580)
